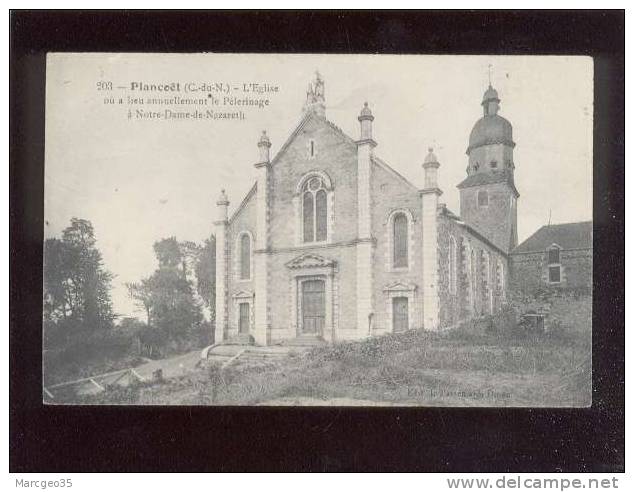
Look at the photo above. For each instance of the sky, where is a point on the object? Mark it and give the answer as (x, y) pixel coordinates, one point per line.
(140, 180)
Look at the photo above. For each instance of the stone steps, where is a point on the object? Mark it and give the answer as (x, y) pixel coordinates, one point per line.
(304, 341)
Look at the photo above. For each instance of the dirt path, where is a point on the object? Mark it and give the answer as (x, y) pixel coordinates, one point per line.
(172, 367)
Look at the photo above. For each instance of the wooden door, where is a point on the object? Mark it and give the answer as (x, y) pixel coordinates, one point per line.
(243, 325)
(313, 307)
(400, 314)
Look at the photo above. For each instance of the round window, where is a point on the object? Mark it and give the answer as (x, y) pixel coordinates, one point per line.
(314, 184)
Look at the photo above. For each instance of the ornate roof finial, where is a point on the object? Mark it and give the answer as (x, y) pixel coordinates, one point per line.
(431, 157)
(223, 200)
(264, 139)
(490, 74)
(315, 96)
(366, 112)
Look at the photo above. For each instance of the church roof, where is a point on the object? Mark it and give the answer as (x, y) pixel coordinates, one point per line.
(387, 167)
(575, 235)
(444, 211)
(489, 177)
(244, 202)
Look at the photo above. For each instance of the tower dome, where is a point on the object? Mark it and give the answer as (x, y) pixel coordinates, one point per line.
(491, 128)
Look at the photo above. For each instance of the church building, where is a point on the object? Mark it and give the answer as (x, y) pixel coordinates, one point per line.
(332, 243)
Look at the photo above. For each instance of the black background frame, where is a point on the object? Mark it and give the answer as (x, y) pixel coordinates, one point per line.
(179, 439)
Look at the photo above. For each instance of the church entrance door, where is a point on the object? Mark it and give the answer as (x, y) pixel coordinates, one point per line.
(313, 307)
(400, 314)
(243, 325)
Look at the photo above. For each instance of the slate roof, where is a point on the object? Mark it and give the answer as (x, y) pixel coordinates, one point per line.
(244, 202)
(489, 177)
(567, 236)
(444, 211)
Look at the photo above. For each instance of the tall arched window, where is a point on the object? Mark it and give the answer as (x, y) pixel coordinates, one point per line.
(473, 284)
(487, 287)
(452, 265)
(501, 279)
(245, 257)
(400, 253)
(315, 210)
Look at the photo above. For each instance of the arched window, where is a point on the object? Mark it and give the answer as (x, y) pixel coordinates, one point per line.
(400, 233)
(315, 210)
(452, 265)
(487, 287)
(473, 284)
(483, 198)
(501, 279)
(245, 257)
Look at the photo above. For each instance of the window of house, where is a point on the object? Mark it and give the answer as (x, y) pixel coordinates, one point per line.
(312, 149)
(400, 259)
(245, 257)
(483, 198)
(553, 255)
(554, 265)
(494, 164)
(315, 210)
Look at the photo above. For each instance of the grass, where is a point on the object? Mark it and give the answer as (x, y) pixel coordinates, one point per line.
(457, 368)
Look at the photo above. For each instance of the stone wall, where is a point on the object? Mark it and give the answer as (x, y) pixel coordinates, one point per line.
(529, 271)
(335, 155)
(473, 295)
(495, 221)
(243, 221)
(390, 193)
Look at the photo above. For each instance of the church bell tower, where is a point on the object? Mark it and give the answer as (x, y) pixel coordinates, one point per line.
(488, 197)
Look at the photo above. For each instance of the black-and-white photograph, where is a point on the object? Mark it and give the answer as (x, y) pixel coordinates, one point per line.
(318, 230)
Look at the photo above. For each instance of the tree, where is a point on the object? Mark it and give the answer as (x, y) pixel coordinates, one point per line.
(168, 253)
(205, 270)
(76, 284)
(167, 295)
(141, 293)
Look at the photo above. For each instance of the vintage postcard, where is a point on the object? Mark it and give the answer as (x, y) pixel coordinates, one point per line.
(345, 230)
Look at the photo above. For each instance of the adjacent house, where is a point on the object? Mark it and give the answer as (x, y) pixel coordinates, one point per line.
(557, 256)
